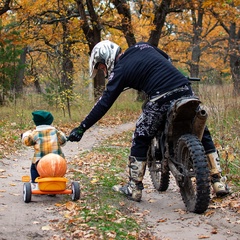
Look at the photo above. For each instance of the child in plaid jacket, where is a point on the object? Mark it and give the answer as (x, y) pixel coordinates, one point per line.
(45, 139)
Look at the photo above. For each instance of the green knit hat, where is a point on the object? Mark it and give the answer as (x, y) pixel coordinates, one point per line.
(42, 117)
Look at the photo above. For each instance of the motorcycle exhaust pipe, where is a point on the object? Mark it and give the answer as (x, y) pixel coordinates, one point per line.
(199, 123)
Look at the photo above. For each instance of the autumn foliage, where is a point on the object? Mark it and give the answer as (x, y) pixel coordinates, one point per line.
(202, 38)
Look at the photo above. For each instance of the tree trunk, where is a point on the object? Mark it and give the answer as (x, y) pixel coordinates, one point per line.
(99, 85)
(197, 18)
(234, 48)
(159, 19)
(234, 39)
(20, 73)
(92, 30)
(235, 71)
(37, 86)
(5, 6)
(124, 10)
(67, 80)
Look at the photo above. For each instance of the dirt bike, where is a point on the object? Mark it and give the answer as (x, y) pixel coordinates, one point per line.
(178, 149)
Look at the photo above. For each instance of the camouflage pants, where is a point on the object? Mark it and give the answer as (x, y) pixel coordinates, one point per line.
(152, 118)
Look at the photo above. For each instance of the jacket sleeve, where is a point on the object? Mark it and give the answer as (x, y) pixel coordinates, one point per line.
(113, 89)
(27, 138)
(62, 139)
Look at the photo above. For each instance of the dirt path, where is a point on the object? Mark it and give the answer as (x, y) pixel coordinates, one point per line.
(164, 212)
(170, 221)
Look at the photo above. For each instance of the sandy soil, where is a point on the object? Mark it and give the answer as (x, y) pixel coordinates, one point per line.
(164, 212)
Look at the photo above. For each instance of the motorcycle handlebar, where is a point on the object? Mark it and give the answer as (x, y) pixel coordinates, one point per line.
(194, 79)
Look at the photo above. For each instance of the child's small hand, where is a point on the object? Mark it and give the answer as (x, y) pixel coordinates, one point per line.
(25, 135)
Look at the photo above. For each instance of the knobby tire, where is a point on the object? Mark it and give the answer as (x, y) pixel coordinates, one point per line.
(195, 187)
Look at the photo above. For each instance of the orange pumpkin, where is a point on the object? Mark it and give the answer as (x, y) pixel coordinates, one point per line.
(52, 165)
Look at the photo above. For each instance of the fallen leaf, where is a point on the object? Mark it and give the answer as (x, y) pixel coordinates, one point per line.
(208, 213)
(120, 220)
(67, 215)
(146, 212)
(56, 237)
(203, 237)
(213, 206)
(15, 194)
(54, 220)
(111, 235)
(2, 170)
(134, 234)
(214, 231)
(47, 228)
(70, 205)
(180, 211)
(235, 204)
(94, 180)
(162, 220)
(122, 204)
(151, 200)
(58, 204)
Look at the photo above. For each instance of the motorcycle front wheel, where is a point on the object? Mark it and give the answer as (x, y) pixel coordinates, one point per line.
(195, 185)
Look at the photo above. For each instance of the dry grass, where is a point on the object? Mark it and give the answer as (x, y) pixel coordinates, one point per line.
(224, 123)
(223, 109)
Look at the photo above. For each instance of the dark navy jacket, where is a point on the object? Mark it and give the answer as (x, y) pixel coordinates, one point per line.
(141, 67)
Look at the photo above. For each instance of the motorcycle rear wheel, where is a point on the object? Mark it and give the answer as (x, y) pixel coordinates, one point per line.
(195, 187)
(159, 172)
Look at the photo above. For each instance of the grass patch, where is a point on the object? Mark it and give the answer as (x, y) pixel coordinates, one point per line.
(101, 212)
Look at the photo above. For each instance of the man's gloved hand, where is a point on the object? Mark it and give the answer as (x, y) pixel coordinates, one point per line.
(76, 134)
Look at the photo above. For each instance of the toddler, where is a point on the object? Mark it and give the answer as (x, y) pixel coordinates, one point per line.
(45, 139)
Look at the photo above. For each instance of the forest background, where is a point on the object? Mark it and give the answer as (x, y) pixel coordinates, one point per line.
(45, 47)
